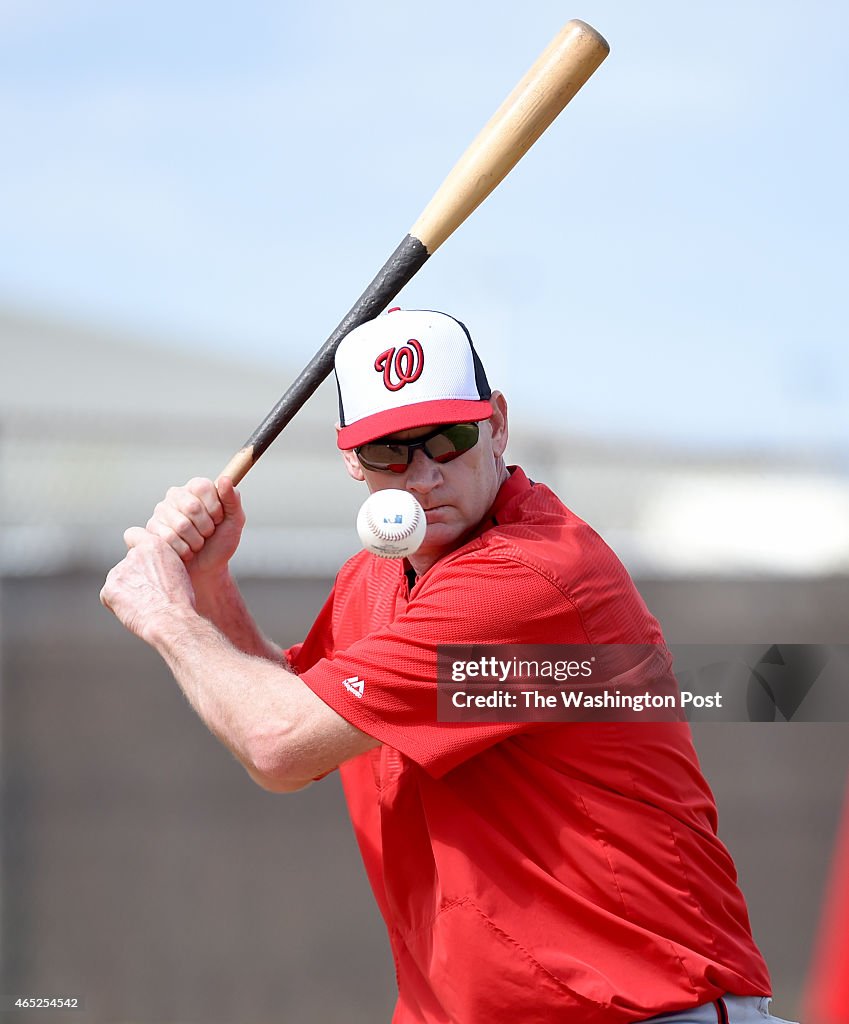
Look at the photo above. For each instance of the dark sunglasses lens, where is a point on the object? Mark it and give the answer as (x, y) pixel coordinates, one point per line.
(385, 458)
(453, 441)
(443, 446)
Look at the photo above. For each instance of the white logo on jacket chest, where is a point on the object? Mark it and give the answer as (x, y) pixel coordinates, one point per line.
(355, 685)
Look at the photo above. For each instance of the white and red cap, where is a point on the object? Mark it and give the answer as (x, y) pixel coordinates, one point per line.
(408, 368)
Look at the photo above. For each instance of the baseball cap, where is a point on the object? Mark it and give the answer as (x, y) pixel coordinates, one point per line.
(407, 368)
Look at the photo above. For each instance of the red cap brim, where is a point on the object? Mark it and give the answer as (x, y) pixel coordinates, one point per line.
(408, 417)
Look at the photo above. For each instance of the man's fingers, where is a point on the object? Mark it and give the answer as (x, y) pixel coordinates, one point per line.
(230, 497)
(134, 535)
(193, 509)
(168, 521)
(198, 523)
(205, 491)
(172, 538)
(203, 508)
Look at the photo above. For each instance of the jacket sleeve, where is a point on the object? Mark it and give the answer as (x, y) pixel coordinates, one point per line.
(386, 683)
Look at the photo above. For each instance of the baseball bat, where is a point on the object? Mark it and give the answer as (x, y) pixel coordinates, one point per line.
(557, 74)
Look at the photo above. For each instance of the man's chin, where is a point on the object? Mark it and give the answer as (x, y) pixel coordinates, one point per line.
(440, 538)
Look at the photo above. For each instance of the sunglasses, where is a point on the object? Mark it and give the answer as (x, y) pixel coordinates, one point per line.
(444, 444)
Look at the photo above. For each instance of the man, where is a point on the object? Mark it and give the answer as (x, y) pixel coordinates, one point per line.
(526, 872)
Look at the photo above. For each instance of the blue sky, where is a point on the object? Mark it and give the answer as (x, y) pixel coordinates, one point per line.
(667, 263)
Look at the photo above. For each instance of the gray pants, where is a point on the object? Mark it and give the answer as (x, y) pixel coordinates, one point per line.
(728, 1010)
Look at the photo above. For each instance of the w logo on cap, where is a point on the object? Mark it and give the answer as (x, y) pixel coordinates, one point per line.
(373, 398)
(405, 362)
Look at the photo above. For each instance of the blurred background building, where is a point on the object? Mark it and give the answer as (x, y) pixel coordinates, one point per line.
(94, 424)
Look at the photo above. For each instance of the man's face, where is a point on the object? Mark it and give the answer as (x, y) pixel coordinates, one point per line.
(455, 495)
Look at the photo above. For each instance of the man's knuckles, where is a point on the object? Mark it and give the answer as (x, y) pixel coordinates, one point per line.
(203, 488)
(133, 536)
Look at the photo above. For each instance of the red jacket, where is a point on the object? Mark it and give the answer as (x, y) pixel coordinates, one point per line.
(526, 873)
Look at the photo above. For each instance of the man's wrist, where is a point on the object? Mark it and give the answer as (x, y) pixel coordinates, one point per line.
(210, 579)
(172, 625)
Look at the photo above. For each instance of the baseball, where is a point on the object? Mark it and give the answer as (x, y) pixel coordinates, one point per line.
(391, 524)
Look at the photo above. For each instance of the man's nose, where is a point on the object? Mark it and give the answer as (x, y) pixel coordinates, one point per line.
(423, 474)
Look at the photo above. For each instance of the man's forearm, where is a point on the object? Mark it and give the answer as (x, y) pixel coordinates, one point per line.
(277, 727)
(243, 699)
(220, 601)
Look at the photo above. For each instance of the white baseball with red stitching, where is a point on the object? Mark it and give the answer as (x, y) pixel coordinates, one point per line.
(391, 524)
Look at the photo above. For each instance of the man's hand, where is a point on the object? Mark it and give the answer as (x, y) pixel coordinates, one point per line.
(201, 525)
(149, 587)
(202, 522)
(236, 680)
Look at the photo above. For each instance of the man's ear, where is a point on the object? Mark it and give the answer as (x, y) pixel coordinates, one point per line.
(498, 423)
(352, 463)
